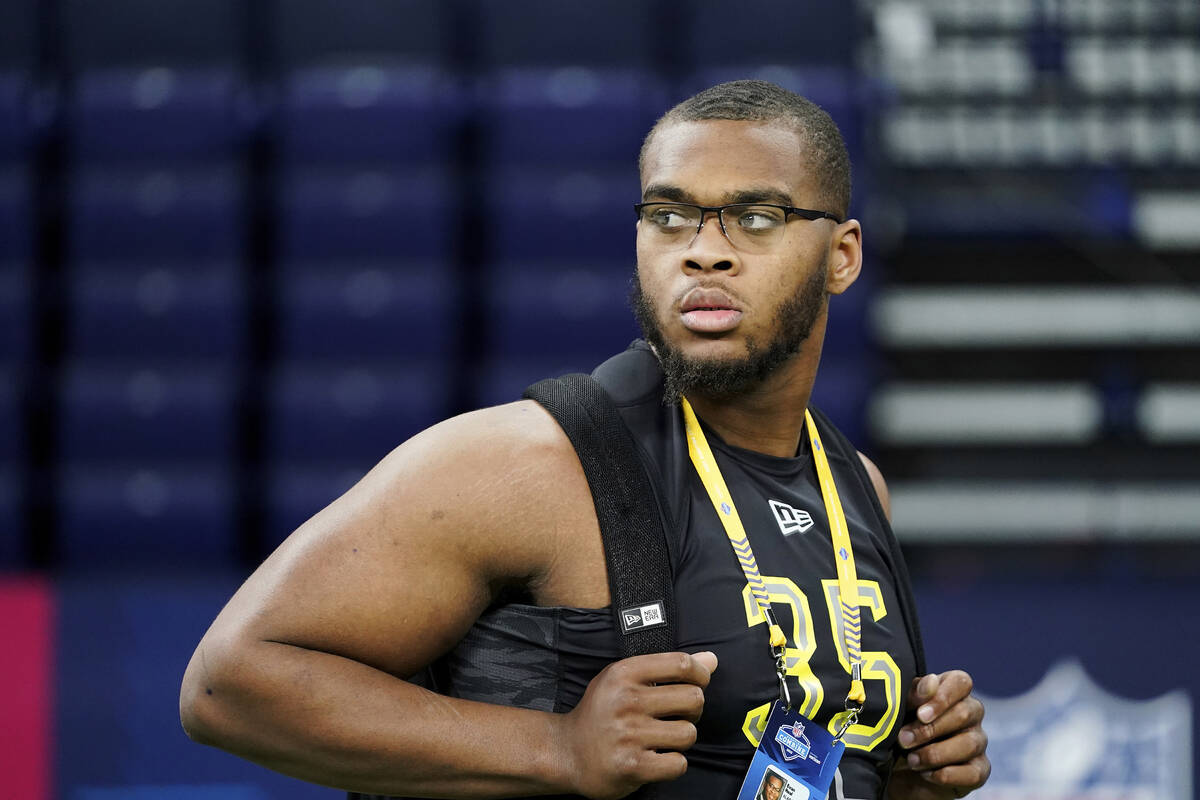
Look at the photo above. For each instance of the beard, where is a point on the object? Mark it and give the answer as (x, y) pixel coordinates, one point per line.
(732, 377)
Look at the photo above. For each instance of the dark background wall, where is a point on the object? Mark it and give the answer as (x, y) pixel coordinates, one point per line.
(247, 248)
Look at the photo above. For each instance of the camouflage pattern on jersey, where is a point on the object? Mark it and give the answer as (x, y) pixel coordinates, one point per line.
(509, 658)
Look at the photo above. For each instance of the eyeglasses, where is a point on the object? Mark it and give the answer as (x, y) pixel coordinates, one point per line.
(750, 227)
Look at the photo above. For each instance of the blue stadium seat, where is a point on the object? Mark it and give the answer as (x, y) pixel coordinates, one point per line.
(309, 32)
(13, 549)
(543, 32)
(367, 310)
(16, 215)
(16, 115)
(145, 215)
(169, 413)
(295, 493)
(12, 427)
(151, 32)
(351, 412)
(192, 310)
(131, 516)
(19, 35)
(563, 215)
(501, 380)
(122, 639)
(157, 114)
(366, 113)
(16, 313)
(770, 32)
(366, 215)
(571, 310)
(574, 116)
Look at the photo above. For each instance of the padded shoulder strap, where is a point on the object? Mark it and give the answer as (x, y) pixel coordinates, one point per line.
(635, 544)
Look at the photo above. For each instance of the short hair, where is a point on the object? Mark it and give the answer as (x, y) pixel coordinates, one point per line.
(761, 101)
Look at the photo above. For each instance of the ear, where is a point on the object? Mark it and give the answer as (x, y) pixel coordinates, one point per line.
(845, 256)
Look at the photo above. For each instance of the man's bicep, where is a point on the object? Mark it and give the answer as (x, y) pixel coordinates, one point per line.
(395, 571)
(879, 484)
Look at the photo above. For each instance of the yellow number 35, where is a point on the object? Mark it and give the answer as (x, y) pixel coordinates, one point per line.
(877, 665)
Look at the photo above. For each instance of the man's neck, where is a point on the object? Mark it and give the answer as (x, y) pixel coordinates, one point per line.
(768, 419)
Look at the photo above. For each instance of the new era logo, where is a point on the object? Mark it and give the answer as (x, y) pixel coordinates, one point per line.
(639, 617)
(791, 519)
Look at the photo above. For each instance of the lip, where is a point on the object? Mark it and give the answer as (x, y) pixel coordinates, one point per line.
(709, 310)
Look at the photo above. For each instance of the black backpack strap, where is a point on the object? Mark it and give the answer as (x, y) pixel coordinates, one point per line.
(631, 526)
(635, 543)
(908, 604)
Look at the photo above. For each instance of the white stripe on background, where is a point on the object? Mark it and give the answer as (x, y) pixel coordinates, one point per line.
(1168, 220)
(1170, 412)
(1001, 413)
(1036, 316)
(931, 512)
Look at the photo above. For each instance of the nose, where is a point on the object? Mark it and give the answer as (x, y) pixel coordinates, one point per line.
(710, 249)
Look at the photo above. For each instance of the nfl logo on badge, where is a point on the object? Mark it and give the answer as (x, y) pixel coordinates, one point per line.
(792, 742)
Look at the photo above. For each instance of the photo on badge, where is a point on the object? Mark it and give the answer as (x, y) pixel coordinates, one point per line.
(777, 786)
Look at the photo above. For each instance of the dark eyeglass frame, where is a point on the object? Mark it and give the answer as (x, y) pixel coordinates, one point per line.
(805, 213)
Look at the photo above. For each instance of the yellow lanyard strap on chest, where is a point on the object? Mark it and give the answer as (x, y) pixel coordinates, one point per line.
(710, 475)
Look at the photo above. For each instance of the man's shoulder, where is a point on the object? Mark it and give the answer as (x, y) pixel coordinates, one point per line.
(514, 436)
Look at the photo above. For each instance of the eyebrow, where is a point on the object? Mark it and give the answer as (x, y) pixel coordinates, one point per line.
(675, 194)
(664, 192)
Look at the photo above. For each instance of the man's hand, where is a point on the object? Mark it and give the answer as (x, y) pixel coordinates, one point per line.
(945, 745)
(634, 720)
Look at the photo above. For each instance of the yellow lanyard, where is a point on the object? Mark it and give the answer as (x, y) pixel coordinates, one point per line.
(710, 475)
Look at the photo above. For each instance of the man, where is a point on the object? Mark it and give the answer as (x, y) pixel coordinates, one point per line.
(478, 539)
(771, 788)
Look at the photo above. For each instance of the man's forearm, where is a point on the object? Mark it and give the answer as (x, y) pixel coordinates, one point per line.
(331, 720)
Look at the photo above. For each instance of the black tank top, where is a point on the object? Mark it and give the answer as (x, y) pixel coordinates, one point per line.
(543, 658)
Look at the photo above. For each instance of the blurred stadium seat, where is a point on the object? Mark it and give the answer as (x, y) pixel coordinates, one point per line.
(351, 412)
(309, 32)
(16, 215)
(549, 32)
(12, 531)
(164, 310)
(12, 428)
(382, 310)
(770, 32)
(365, 215)
(142, 215)
(16, 115)
(157, 114)
(294, 494)
(575, 311)
(501, 380)
(19, 36)
(133, 516)
(16, 313)
(575, 116)
(561, 214)
(151, 32)
(368, 113)
(169, 413)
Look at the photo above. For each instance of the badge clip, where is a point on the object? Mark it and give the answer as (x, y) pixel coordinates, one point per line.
(785, 694)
